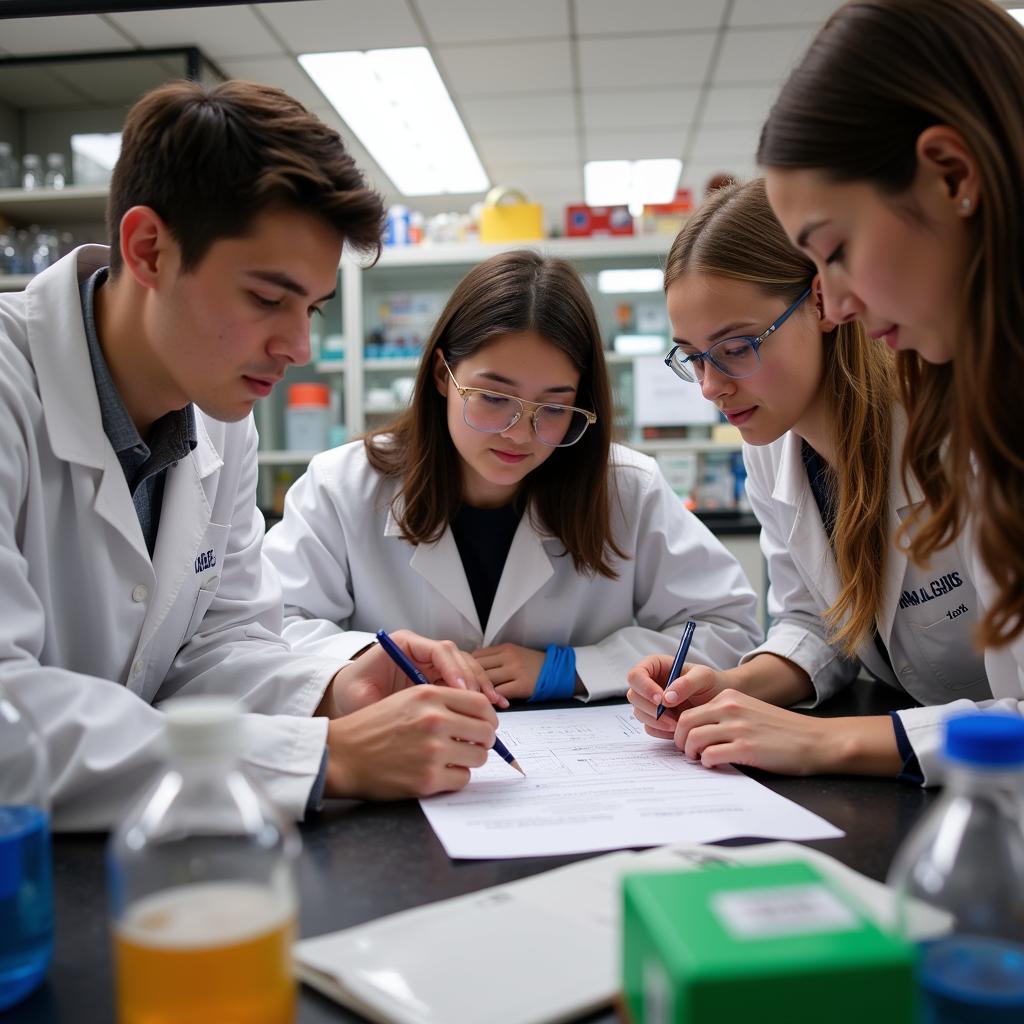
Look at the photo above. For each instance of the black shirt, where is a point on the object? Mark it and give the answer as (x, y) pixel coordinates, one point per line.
(483, 537)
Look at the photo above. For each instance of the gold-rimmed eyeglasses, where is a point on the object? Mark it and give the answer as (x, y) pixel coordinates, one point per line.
(492, 412)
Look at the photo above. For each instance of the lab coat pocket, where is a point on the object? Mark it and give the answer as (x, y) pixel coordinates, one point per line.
(944, 640)
(207, 569)
(204, 598)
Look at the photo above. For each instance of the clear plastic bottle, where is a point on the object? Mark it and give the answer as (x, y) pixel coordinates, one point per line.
(31, 171)
(8, 166)
(201, 882)
(966, 858)
(56, 173)
(26, 885)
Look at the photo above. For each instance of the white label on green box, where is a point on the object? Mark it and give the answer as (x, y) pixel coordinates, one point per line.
(782, 910)
(657, 994)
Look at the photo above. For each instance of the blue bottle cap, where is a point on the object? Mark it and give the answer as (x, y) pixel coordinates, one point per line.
(989, 740)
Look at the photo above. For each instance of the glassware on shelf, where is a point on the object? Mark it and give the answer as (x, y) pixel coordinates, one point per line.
(56, 172)
(31, 172)
(8, 166)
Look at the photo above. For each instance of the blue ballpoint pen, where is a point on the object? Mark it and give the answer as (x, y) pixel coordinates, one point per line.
(677, 664)
(397, 655)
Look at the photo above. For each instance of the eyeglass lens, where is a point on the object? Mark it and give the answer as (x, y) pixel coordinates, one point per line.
(555, 425)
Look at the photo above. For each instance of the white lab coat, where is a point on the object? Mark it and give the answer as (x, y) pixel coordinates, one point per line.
(929, 642)
(93, 632)
(347, 572)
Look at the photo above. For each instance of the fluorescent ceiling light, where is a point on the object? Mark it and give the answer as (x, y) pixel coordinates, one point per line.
(1018, 13)
(633, 183)
(641, 279)
(395, 101)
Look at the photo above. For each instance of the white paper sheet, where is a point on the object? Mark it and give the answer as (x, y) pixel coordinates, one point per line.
(596, 781)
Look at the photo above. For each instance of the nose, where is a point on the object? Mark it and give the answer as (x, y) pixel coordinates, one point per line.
(715, 384)
(291, 342)
(521, 432)
(841, 302)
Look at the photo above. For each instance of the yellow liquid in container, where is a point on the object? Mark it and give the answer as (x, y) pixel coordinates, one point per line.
(214, 953)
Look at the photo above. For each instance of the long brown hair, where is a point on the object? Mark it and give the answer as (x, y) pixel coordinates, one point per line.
(734, 234)
(879, 73)
(571, 490)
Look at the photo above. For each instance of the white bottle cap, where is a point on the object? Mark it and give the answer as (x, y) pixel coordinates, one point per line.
(203, 727)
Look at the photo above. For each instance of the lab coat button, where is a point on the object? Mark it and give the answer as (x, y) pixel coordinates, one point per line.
(140, 593)
(138, 667)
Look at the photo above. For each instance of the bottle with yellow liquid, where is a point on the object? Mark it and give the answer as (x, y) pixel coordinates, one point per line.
(202, 889)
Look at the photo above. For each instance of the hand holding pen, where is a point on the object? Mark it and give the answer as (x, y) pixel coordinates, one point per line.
(398, 656)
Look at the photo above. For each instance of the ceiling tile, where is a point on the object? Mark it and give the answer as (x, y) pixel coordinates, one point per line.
(463, 21)
(640, 108)
(312, 26)
(531, 149)
(765, 56)
(217, 31)
(633, 145)
(284, 72)
(781, 12)
(715, 143)
(738, 104)
(696, 174)
(644, 60)
(533, 114)
(534, 180)
(66, 34)
(504, 68)
(649, 16)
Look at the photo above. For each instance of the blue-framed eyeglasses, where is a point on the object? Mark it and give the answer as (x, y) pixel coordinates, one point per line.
(735, 357)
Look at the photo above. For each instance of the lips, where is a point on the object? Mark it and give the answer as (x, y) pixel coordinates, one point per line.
(509, 457)
(737, 417)
(884, 332)
(261, 385)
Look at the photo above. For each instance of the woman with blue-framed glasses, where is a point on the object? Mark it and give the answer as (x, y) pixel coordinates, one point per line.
(496, 513)
(823, 429)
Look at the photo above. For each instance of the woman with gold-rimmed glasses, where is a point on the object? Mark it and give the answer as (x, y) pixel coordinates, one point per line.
(496, 513)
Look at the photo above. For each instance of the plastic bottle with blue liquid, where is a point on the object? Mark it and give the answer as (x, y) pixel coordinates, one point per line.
(966, 859)
(26, 886)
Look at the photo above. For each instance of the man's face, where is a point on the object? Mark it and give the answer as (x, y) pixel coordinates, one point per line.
(223, 333)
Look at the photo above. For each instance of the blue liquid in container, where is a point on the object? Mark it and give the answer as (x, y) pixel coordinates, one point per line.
(970, 980)
(26, 902)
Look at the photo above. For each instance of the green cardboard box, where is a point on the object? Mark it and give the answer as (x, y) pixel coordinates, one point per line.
(765, 944)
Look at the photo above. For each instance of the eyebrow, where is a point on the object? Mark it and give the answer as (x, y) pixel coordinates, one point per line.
(807, 231)
(722, 332)
(499, 379)
(285, 282)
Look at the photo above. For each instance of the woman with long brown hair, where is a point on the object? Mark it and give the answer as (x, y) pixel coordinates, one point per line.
(822, 430)
(895, 160)
(496, 513)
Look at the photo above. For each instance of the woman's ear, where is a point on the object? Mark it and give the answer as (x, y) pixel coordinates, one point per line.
(440, 371)
(827, 326)
(945, 159)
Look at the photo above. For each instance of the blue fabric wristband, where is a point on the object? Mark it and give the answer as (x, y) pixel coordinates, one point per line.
(557, 679)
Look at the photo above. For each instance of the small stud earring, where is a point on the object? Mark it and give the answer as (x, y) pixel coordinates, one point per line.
(965, 204)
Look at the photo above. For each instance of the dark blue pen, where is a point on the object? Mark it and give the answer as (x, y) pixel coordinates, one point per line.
(677, 665)
(397, 655)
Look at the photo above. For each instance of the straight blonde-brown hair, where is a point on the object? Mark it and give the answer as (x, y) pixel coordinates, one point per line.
(734, 234)
(877, 75)
(571, 491)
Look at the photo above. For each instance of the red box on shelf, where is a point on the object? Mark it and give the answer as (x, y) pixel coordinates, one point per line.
(582, 221)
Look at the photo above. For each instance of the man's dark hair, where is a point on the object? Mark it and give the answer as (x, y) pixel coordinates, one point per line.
(211, 160)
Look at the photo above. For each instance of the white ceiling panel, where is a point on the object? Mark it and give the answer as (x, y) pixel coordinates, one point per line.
(80, 33)
(738, 104)
(781, 12)
(726, 142)
(614, 16)
(641, 145)
(217, 31)
(463, 21)
(534, 149)
(640, 108)
(315, 26)
(645, 60)
(534, 114)
(749, 55)
(283, 72)
(536, 181)
(507, 67)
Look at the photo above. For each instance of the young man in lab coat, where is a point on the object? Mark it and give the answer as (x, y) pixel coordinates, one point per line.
(130, 540)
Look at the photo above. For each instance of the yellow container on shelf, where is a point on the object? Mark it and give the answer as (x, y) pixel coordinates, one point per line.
(507, 216)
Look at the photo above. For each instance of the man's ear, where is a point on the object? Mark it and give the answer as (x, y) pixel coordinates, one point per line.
(441, 378)
(146, 245)
(827, 326)
(945, 159)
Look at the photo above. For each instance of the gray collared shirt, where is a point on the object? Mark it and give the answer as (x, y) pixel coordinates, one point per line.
(172, 437)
